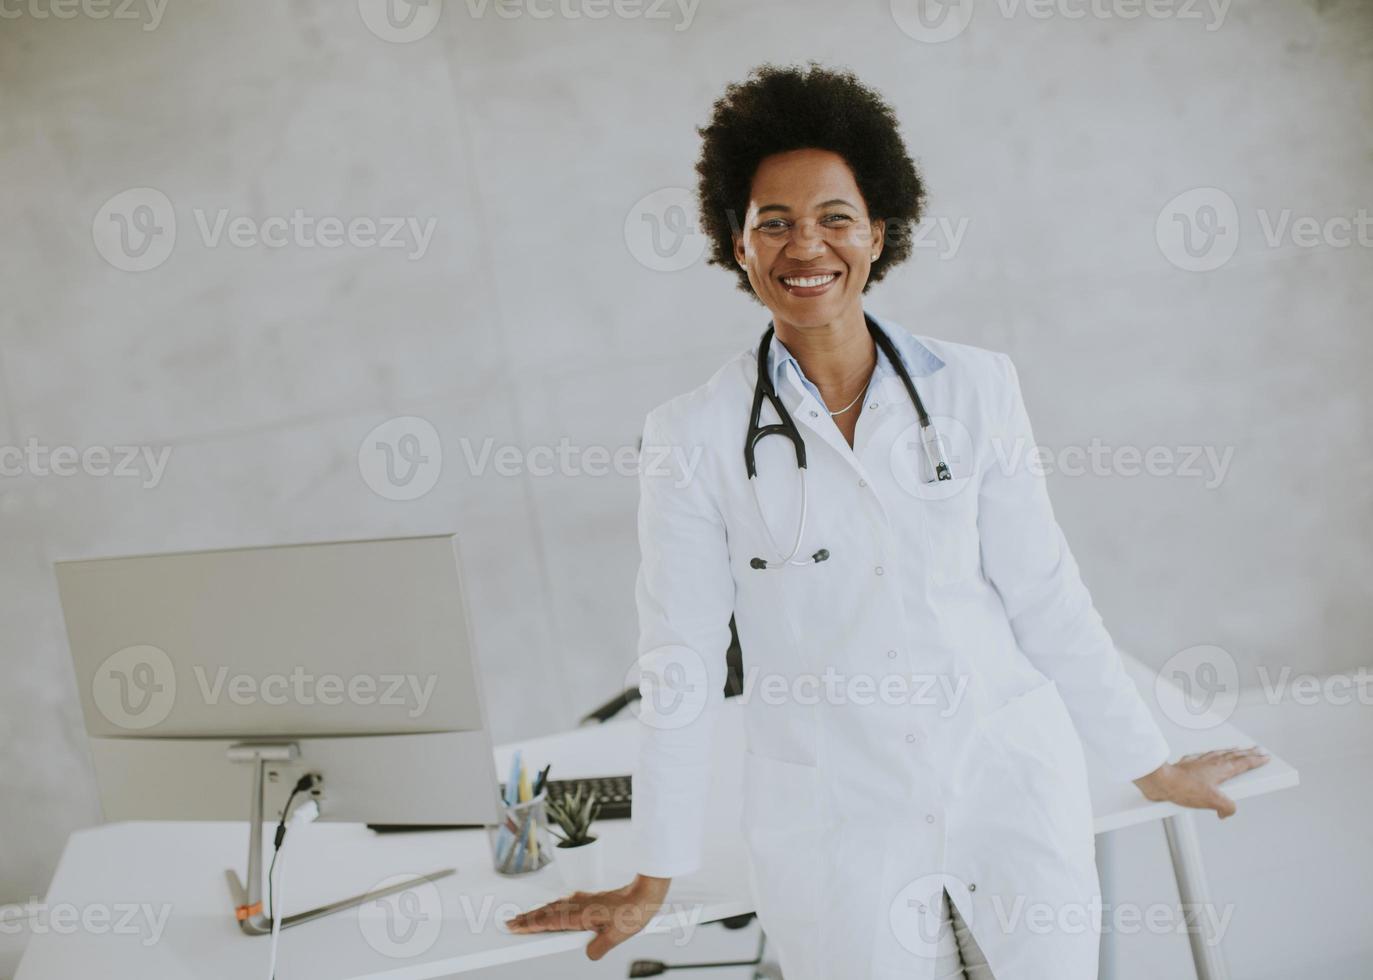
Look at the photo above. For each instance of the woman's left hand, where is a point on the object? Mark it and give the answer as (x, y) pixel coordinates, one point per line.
(1194, 780)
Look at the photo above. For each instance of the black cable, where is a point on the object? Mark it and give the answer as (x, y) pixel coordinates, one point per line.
(270, 869)
(304, 783)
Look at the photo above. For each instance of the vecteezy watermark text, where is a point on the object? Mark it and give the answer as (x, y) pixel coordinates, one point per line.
(34, 458)
(148, 11)
(39, 918)
(136, 688)
(1201, 229)
(936, 21)
(136, 230)
(406, 21)
(566, 459)
(301, 687)
(1207, 462)
(835, 687)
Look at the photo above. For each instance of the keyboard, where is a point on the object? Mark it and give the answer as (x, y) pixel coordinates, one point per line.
(613, 792)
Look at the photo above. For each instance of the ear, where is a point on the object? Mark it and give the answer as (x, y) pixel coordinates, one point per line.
(879, 235)
(739, 255)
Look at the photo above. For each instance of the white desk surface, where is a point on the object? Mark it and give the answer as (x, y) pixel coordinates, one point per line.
(181, 865)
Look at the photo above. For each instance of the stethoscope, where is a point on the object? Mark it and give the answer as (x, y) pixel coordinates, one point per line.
(929, 438)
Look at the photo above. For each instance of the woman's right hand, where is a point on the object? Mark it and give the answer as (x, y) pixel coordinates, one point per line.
(613, 915)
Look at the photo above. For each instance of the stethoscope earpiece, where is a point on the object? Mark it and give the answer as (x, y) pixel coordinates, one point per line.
(822, 555)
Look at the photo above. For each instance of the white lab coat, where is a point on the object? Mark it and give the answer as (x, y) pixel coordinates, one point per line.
(861, 801)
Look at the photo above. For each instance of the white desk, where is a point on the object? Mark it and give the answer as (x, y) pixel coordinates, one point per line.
(457, 927)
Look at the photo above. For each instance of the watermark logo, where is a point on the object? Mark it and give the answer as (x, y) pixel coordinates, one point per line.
(917, 913)
(1198, 688)
(403, 924)
(135, 230)
(400, 21)
(135, 688)
(402, 458)
(932, 21)
(662, 233)
(914, 467)
(1199, 230)
(674, 687)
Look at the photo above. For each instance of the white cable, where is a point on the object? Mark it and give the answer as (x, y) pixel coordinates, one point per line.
(302, 814)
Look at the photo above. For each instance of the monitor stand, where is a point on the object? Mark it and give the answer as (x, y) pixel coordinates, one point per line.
(248, 900)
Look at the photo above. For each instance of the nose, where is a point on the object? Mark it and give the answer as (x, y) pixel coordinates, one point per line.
(805, 241)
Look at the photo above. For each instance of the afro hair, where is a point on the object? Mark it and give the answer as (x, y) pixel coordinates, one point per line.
(790, 108)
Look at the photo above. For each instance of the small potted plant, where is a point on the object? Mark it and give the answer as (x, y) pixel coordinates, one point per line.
(579, 852)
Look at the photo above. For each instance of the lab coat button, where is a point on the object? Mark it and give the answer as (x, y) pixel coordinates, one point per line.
(814, 414)
(878, 570)
(972, 886)
(910, 736)
(873, 405)
(862, 483)
(929, 818)
(891, 653)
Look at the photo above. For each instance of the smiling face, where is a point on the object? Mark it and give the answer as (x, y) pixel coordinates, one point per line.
(807, 242)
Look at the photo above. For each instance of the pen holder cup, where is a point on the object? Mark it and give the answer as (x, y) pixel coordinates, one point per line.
(521, 843)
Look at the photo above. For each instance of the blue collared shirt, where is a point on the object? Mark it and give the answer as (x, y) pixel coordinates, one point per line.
(918, 359)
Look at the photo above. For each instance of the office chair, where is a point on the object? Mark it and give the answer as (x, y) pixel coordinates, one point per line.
(734, 684)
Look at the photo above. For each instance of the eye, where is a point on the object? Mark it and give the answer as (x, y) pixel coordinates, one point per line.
(774, 224)
(841, 217)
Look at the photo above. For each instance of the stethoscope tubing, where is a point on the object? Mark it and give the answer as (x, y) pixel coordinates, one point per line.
(785, 426)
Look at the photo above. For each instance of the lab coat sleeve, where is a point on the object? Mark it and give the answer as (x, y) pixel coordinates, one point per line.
(685, 596)
(1027, 559)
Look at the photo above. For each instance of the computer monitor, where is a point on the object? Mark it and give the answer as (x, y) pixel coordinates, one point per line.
(211, 681)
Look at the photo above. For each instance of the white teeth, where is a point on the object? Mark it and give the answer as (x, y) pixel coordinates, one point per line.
(812, 280)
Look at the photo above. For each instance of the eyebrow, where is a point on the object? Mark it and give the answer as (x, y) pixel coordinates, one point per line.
(824, 204)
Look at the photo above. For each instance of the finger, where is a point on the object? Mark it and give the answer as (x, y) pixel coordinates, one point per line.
(555, 916)
(1233, 765)
(1222, 804)
(604, 942)
(527, 919)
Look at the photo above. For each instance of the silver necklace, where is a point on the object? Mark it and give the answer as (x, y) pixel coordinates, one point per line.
(852, 403)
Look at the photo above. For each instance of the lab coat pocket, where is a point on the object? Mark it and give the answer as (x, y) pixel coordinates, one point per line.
(783, 829)
(951, 538)
(1032, 737)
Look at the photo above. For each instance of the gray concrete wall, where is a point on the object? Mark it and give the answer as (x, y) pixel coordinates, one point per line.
(537, 310)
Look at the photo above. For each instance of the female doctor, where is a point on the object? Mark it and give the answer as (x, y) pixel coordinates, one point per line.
(921, 653)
